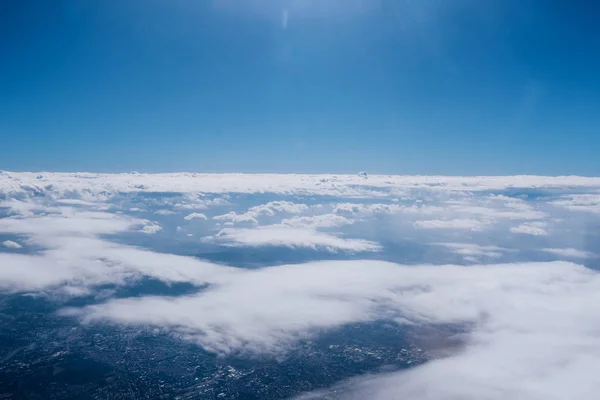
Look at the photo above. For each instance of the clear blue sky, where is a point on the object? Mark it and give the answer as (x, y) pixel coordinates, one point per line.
(386, 86)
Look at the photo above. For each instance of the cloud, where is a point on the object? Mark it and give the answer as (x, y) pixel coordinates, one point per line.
(474, 250)
(380, 208)
(72, 257)
(68, 223)
(165, 212)
(492, 208)
(83, 262)
(531, 228)
(195, 216)
(535, 338)
(285, 16)
(11, 245)
(317, 221)
(233, 217)
(24, 208)
(77, 202)
(532, 326)
(468, 224)
(80, 262)
(278, 206)
(94, 187)
(291, 237)
(151, 228)
(199, 201)
(569, 253)
(532, 331)
(264, 210)
(579, 202)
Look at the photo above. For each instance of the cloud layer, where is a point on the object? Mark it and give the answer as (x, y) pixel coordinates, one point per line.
(534, 326)
(476, 253)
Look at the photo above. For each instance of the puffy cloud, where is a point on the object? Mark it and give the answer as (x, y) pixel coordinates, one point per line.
(569, 252)
(291, 237)
(278, 206)
(151, 228)
(195, 216)
(233, 217)
(531, 228)
(199, 201)
(11, 245)
(264, 210)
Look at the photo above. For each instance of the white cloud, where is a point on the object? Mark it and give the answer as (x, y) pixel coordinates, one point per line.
(579, 202)
(165, 212)
(233, 217)
(379, 208)
(92, 187)
(77, 202)
(195, 216)
(264, 210)
(291, 237)
(494, 208)
(285, 16)
(84, 261)
(534, 340)
(198, 201)
(151, 228)
(317, 221)
(569, 253)
(533, 325)
(534, 330)
(474, 250)
(468, 224)
(68, 223)
(24, 208)
(278, 206)
(11, 245)
(73, 255)
(531, 228)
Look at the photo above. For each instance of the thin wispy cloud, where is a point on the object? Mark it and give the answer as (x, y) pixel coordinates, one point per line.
(292, 237)
(531, 228)
(468, 224)
(569, 253)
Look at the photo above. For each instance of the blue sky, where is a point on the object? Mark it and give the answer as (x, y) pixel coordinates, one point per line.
(417, 87)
